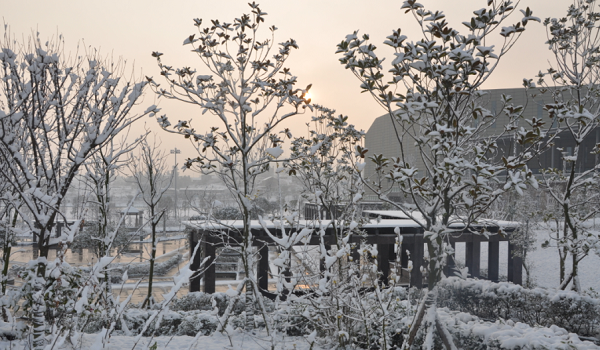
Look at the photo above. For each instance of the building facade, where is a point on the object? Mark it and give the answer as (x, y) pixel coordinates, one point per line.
(381, 137)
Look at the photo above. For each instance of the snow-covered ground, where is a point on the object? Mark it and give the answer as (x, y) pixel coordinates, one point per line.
(544, 272)
(546, 266)
(238, 340)
(544, 263)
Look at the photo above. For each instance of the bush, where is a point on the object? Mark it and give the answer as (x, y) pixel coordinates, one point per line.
(188, 315)
(201, 301)
(469, 332)
(577, 313)
(89, 238)
(142, 270)
(350, 317)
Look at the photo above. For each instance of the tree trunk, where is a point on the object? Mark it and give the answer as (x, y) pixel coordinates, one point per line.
(149, 301)
(39, 304)
(6, 259)
(574, 274)
(435, 266)
(414, 327)
(249, 306)
(38, 311)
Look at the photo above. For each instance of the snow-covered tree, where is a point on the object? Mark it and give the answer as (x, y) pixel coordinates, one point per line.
(328, 162)
(107, 233)
(245, 85)
(434, 101)
(8, 222)
(101, 170)
(433, 98)
(54, 114)
(573, 86)
(325, 163)
(152, 176)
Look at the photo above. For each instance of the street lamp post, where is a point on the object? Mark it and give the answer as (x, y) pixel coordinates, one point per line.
(175, 152)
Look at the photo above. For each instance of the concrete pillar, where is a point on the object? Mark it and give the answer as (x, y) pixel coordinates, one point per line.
(473, 257)
(195, 263)
(383, 260)
(493, 261)
(416, 277)
(515, 265)
(210, 273)
(450, 263)
(263, 268)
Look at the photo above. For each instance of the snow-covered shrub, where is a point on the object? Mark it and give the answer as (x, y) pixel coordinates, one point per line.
(366, 318)
(89, 238)
(172, 323)
(351, 316)
(200, 301)
(228, 213)
(193, 323)
(193, 313)
(160, 269)
(469, 332)
(61, 293)
(577, 313)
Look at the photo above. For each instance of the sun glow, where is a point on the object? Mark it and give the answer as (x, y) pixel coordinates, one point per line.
(309, 95)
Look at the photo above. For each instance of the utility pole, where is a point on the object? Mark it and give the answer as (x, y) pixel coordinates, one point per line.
(175, 152)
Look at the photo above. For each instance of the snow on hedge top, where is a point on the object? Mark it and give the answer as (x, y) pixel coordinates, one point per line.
(511, 335)
(506, 288)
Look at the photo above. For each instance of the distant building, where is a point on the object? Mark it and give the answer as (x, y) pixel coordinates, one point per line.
(381, 137)
(314, 211)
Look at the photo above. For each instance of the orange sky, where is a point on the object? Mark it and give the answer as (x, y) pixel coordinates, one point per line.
(132, 29)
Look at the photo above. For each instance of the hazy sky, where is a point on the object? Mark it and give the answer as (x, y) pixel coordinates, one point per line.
(132, 29)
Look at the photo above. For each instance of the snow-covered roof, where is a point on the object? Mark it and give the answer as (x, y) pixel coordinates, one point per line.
(270, 224)
(217, 187)
(396, 214)
(255, 224)
(130, 211)
(386, 215)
